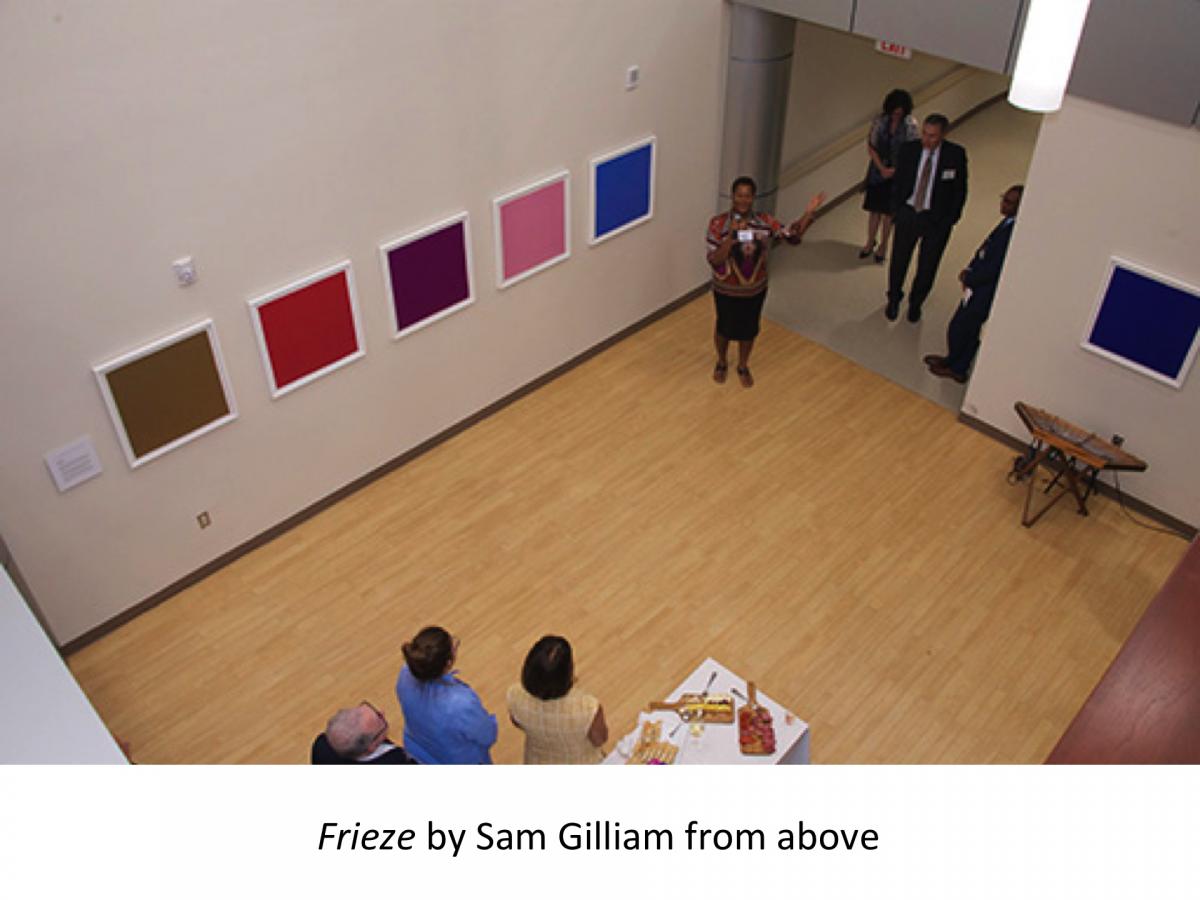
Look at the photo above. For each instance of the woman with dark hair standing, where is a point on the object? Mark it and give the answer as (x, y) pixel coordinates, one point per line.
(738, 243)
(562, 725)
(444, 720)
(888, 132)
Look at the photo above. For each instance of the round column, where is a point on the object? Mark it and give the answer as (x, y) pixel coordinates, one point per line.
(756, 92)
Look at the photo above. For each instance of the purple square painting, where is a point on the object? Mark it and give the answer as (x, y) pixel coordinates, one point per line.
(428, 274)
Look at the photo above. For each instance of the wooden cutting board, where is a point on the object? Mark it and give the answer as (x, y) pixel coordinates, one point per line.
(714, 709)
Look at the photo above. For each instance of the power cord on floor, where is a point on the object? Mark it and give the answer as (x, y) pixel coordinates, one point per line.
(1022, 466)
(1179, 533)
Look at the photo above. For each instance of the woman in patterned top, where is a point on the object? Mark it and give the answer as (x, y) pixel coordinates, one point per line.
(562, 725)
(738, 244)
(889, 132)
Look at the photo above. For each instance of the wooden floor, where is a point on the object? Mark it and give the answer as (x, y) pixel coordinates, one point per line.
(843, 541)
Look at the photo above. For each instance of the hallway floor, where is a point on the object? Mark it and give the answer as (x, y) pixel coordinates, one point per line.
(823, 291)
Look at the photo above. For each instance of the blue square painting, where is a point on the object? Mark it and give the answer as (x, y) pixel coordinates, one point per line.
(622, 190)
(1147, 322)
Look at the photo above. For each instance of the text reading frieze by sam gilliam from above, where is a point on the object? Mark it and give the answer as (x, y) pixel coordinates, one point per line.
(603, 834)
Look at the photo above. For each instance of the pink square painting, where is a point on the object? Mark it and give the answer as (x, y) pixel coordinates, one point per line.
(531, 229)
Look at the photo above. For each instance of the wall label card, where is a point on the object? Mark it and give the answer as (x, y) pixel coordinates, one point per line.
(74, 463)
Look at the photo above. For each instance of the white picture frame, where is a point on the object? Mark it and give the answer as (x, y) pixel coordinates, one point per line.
(1114, 263)
(103, 369)
(255, 305)
(498, 203)
(594, 165)
(386, 248)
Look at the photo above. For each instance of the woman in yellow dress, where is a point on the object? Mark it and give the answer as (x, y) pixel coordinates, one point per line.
(563, 725)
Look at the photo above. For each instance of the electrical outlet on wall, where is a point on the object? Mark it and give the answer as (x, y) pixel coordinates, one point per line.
(204, 519)
(633, 77)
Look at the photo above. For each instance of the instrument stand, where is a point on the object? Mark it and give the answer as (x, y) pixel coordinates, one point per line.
(1053, 458)
(1068, 451)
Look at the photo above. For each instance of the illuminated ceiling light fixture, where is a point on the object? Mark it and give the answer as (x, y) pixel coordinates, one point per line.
(1047, 52)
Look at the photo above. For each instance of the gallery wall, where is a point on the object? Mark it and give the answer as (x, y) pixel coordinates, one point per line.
(839, 81)
(270, 141)
(1102, 183)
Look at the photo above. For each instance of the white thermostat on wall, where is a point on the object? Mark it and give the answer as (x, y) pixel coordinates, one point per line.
(185, 271)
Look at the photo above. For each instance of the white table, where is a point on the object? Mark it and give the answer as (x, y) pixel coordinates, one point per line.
(718, 744)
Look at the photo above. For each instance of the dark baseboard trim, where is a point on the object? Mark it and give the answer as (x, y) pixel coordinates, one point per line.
(992, 431)
(1186, 531)
(341, 493)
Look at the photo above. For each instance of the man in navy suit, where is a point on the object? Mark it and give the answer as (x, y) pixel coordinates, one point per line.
(979, 280)
(929, 191)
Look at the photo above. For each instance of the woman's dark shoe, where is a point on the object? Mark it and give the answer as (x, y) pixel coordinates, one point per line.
(866, 251)
(720, 370)
(745, 377)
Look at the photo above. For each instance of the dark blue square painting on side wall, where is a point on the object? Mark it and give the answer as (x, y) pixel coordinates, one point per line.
(1148, 322)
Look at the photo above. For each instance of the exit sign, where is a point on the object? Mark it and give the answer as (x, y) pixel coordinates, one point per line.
(892, 49)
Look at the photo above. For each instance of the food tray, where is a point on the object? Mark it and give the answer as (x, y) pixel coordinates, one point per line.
(651, 749)
(756, 731)
(711, 709)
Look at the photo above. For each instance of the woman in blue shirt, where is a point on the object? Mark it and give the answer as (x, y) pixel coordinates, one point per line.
(444, 720)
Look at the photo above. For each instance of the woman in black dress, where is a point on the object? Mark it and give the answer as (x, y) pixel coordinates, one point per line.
(888, 132)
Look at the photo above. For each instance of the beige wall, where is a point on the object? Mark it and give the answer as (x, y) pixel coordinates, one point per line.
(1102, 183)
(839, 81)
(271, 139)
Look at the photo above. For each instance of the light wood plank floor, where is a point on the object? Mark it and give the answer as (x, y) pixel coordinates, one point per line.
(844, 541)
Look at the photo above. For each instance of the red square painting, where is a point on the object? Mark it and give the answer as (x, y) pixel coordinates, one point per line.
(308, 328)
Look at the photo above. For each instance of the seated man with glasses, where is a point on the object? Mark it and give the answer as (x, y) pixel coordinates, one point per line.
(357, 735)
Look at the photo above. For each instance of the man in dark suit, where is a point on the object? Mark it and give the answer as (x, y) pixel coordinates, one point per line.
(357, 735)
(978, 280)
(928, 194)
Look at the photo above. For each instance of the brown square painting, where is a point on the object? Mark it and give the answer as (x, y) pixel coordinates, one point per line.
(167, 393)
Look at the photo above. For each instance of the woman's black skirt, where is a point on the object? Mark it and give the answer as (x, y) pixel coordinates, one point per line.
(738, 317)
(878, 197)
